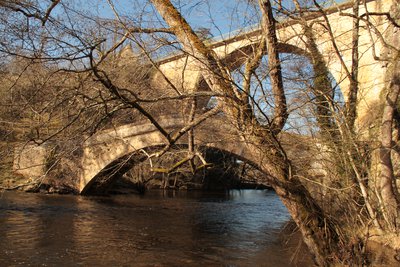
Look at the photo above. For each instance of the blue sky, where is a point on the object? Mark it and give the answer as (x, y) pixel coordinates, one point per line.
(220, 16)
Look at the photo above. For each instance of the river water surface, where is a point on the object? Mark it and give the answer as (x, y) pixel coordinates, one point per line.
(235, 228)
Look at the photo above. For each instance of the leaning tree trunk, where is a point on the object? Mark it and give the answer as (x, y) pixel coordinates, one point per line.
(386, 178)
(317, 230)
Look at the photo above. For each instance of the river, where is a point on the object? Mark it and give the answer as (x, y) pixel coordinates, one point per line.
(160, 228)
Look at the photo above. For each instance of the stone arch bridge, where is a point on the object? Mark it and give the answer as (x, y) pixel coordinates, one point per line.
(108, 154)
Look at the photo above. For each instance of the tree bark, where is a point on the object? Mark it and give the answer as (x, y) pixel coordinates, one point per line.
(351, 104)
(386, 177)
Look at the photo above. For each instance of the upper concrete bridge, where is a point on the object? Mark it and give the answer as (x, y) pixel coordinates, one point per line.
(184, 73)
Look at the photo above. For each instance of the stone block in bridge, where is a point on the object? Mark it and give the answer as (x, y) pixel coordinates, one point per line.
(30, 160)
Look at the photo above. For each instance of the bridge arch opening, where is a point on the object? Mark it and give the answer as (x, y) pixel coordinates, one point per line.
(136, 172)
(299, 83)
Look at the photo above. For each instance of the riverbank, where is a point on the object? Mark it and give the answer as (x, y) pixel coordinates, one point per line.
(213, 180)
(14, 182)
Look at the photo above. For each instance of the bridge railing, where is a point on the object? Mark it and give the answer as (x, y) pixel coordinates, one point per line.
(213, 41)
(233, 34)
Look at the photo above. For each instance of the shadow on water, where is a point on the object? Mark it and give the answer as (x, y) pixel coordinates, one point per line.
(161, 228)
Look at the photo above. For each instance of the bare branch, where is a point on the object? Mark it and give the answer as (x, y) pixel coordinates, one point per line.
(385, 14)
(275, 71)
(51, 7)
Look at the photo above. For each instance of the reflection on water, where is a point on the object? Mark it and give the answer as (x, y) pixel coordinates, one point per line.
(237, 228)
